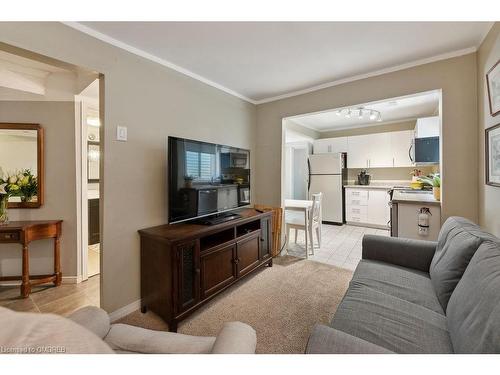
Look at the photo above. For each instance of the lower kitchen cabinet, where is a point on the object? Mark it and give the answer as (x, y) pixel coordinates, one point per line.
(369, 207)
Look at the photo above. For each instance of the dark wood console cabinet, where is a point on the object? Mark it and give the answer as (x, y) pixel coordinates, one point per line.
(185, 265)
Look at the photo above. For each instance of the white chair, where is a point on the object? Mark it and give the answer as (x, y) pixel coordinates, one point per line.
(309, 222)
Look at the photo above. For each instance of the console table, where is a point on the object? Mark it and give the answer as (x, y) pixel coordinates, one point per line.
(24, 232)
(185, 265)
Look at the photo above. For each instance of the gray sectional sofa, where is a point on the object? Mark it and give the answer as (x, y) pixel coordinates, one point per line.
(410, 296)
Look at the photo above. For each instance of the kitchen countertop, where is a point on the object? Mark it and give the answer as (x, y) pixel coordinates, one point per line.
(378, 184)
(417, 197)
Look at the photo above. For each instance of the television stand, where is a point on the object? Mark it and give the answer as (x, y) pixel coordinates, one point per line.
(218, 218)
(185, 265)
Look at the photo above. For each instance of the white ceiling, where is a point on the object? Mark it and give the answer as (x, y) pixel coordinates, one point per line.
(260, 61)
(391, 110)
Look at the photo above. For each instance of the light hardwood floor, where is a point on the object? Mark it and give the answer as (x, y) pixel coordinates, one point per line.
(62, 300)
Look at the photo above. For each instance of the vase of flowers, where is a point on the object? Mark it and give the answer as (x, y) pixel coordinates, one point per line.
(20, 184)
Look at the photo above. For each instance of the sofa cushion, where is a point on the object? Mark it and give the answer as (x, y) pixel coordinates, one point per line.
(390, 322)
(458, 240)
(474, 308)
(400, 282)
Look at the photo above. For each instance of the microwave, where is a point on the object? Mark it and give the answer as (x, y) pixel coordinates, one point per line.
(426, 150)
(234, 160)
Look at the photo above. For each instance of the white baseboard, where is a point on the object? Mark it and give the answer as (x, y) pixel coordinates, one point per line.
(125, 310)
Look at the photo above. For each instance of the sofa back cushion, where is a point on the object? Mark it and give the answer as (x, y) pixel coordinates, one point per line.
(473, 314)
(458, 240)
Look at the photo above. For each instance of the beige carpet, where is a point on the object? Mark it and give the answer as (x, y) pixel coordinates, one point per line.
(281, 303)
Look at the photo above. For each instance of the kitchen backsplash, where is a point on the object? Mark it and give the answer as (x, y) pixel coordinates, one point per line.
(391, 173)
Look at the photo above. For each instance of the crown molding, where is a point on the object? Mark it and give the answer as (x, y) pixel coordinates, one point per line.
(136, 51)
(396, 68)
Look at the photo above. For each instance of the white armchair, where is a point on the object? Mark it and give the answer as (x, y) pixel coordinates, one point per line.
(88, 330)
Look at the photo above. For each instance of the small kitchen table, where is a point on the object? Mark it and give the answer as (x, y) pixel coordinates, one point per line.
(301, 205)
(24, 232)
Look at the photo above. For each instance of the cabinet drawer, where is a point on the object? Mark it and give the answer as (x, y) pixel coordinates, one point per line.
(360, 211)
(356, 219)
(357, 201)
(9, 236)
(356, 194)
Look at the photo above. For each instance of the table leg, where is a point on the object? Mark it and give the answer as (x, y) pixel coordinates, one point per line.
(57, 261)
(25, 281)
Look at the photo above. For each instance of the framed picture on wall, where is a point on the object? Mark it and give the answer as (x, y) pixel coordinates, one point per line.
(493, 83)
(492, 147)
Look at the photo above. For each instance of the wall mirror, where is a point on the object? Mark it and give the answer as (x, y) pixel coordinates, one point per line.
(21, 164)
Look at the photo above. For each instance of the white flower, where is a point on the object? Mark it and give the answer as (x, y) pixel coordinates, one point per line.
(12, 179)
(2, 189)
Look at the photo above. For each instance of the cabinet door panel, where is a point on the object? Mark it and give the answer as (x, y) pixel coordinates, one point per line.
(357, 151)
(320, 146)
(247, 252)
(217, 270)
(265, 238)
(379, 151)
(188, 275)
(378, 207)
(400, 145)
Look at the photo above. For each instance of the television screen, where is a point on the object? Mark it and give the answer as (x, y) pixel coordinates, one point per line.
(205, 179)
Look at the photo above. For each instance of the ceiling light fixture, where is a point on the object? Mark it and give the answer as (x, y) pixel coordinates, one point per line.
(361, 113)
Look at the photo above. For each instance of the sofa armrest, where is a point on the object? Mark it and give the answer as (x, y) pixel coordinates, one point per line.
(235, 338)
(327, 340)
(93, 318)
(124, 338)
(405, 252)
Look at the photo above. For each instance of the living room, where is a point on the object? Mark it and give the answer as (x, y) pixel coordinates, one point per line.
(157, 95)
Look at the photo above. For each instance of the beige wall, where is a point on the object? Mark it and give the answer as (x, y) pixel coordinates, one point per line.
(457, 79)
(382, 128)
(153, 102)
(58, 121)
(489, 196)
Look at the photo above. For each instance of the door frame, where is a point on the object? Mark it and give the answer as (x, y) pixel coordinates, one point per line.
(81, 104)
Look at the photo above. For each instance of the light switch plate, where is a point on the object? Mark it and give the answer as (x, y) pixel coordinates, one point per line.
(121, 133)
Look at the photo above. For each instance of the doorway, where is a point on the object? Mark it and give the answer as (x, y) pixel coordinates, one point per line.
(89, 123)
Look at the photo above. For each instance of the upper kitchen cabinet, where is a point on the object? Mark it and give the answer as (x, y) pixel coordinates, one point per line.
(330, 145)
(427, 127)
(401, 144)
(369, 151)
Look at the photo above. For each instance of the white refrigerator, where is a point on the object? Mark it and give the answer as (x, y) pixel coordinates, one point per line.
(327, 175)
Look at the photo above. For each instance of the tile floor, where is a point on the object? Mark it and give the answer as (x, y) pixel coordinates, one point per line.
(341, 245)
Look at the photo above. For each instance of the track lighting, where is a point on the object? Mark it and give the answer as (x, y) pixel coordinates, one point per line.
(360, 112)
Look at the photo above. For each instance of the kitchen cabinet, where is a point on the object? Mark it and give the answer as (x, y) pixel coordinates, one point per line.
(378, 211)
(427, 127)
(369, 151)
(401, 143)
(357, 155)
(330, 145)
(366, 206)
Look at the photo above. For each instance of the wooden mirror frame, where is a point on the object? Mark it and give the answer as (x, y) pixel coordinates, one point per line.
(40, 163)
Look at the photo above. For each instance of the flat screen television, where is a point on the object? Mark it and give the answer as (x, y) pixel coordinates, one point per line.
(206, 179)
